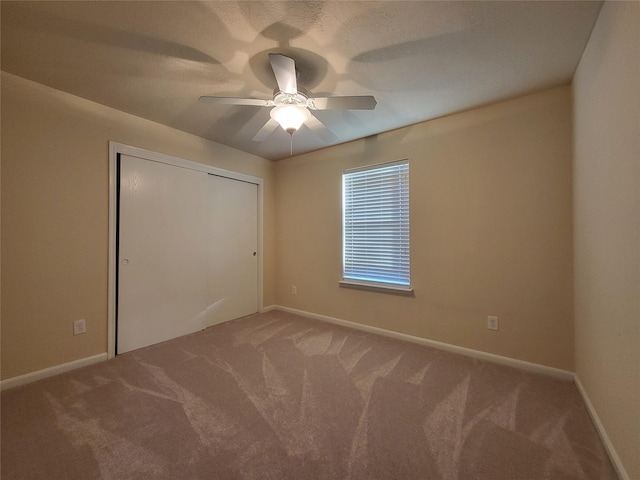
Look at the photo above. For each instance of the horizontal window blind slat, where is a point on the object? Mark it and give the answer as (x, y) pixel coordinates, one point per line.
(396, 266)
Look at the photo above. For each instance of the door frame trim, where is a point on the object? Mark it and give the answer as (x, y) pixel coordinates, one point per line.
(116, 149)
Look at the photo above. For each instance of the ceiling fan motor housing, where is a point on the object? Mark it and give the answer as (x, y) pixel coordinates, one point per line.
(281, 98)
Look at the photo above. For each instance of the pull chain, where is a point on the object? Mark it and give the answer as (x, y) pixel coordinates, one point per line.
(291, 144)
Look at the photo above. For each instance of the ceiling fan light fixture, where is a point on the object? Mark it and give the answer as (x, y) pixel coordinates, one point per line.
(290, 117)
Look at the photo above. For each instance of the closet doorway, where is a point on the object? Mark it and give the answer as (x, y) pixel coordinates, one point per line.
(187, 249)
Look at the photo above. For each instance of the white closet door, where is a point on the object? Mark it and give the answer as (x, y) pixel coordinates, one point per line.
(172, 253)
(233, 209)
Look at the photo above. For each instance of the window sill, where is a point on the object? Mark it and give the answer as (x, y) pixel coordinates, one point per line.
(377, 287)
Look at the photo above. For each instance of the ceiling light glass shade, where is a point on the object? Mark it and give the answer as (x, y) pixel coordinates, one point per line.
(290, 117)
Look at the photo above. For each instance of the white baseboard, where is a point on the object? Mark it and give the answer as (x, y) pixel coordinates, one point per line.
(490, 357)
(613, 455)
(51, 371)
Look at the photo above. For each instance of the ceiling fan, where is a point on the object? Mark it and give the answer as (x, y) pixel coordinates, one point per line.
(290, 106)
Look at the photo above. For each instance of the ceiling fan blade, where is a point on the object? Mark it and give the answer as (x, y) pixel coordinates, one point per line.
(284, 68)
(364, 102)
(320, 129)
(236, 101)
(265, 131)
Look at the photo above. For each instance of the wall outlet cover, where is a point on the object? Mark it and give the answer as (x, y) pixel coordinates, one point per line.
(79, 326)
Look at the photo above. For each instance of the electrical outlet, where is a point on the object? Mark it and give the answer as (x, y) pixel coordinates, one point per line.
(79, 326)
(294, 290)
(492, 323)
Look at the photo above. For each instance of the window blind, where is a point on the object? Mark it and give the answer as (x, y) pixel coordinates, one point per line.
(376, 224)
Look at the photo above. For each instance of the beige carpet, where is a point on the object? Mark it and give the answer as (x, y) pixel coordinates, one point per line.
(278, 396)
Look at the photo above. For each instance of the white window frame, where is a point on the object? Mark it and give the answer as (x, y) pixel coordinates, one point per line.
(369, 268)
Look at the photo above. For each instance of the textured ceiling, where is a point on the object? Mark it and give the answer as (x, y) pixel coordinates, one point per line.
(421, 60)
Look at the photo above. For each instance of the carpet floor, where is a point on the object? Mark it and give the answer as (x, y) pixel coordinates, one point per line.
(279, 396)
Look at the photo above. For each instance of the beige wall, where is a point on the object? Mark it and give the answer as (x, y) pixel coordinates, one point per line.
(607, 225)
(491, 230)
(55, 182)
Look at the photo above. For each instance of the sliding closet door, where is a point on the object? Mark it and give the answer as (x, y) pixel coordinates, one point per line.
(177, 239)
(233, 223)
